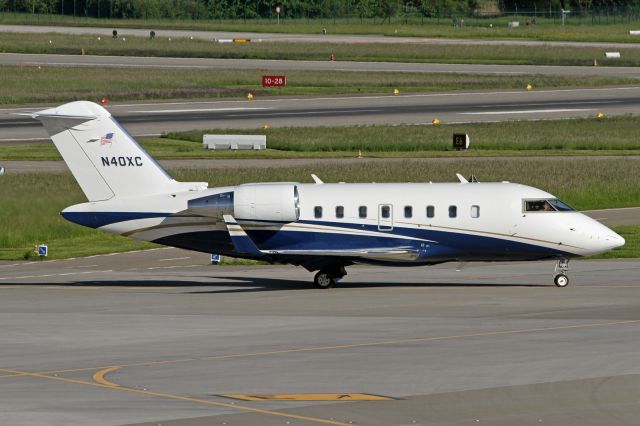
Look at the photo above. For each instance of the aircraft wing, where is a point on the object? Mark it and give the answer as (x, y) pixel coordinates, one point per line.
(242, 243)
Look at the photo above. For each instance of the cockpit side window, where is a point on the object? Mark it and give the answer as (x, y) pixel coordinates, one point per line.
(537, 206)
(548, 205)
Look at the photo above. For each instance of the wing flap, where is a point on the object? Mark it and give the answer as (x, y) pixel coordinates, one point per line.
(242, 243)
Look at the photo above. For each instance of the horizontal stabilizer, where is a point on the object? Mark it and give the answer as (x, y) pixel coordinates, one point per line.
(52, 113)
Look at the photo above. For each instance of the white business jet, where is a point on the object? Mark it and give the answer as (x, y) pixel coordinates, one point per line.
(322, 227)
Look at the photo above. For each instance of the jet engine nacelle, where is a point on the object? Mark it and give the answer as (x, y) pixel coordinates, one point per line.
(266, 201)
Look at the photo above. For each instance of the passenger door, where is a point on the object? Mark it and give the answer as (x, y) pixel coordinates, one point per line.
(385, 217)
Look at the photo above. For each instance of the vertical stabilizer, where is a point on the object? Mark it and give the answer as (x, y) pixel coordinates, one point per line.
(103, 157)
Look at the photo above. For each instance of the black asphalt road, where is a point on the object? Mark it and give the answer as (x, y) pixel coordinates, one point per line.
(421, 108)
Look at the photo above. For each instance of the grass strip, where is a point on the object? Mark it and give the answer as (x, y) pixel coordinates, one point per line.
(380, 52)
(38, 84)
(595, 184)
(579, 137)
(613, 134)
(599, 27)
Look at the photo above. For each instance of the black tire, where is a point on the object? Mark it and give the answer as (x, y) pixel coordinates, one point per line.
(561, 280)
(323, 280)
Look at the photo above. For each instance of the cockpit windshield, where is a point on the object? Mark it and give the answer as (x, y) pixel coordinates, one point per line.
(560, 206)
(547, 205)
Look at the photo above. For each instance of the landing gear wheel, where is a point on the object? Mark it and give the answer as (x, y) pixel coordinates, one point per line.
(324, 280)
(561, 280)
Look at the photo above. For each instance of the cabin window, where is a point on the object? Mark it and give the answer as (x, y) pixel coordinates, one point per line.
(431, 211)
(385, 212)
(317, 212)
(408, 211)
(339, 212)
(453, 211)
(475, 211)
(362, 212)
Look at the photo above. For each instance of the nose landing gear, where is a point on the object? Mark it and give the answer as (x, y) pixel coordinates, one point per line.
(560, 278)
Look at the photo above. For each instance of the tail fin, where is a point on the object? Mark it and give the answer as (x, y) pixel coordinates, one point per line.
(103, 157)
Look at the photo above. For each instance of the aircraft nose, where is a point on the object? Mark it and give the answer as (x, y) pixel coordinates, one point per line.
(602, 238)
(610, 240)
(614, 240)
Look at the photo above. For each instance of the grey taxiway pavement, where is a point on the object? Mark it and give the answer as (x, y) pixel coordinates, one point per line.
(33, 59)
(146, 118)
(303, 38)
(164, 338)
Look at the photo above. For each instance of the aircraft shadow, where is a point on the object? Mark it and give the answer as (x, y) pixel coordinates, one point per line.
(250, 284)
(257, 284)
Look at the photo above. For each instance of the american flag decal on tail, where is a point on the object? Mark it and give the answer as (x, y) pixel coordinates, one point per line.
(106, 139)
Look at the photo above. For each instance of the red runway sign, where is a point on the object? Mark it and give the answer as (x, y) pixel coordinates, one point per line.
(274, 80)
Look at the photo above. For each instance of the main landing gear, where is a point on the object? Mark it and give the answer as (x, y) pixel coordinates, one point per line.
(328, 276)
(561, 279)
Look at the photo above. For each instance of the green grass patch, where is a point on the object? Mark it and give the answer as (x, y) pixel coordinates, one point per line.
(598, 28)
(38, 84)
(31, 202)
(580, 137)
(614, 135)
(28, 219)
(381, 52)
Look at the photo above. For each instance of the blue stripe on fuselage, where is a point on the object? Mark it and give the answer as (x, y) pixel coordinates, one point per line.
(446, 244)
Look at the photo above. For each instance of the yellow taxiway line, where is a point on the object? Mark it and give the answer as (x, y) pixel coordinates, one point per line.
(178, 397)
(339, 347)
(101, 382)
(308, 397)
(99, 376)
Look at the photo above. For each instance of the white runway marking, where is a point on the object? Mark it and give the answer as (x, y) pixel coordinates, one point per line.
(172, 267)
(100, 64)
(550, 103)
(174, 258)
(163, 111)
(281, 114)
(22, 277)
(528, 111)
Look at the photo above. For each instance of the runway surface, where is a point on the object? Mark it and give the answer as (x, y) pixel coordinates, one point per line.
(153, 118)
(302, 38)
(31, 59)
(160, 337)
